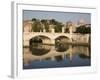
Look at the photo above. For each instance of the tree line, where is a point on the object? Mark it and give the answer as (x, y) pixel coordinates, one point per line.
(40, 25)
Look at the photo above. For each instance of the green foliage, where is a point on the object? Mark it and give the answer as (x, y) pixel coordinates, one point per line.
(83, 30)
(46, 24)
(53, 21)
(34, 19)
(43, 21)
(58, 27)
(36, 26)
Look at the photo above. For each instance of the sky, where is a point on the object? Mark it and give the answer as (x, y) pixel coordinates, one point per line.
(59, 16)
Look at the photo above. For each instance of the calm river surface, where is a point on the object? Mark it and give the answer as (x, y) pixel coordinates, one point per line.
(53, 56)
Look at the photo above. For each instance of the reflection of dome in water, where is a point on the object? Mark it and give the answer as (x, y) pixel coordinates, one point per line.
(39, 49)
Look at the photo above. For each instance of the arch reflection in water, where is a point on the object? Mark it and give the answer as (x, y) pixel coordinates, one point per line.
(37, 46)
(68, 56)
(39, 49)
(59, 47)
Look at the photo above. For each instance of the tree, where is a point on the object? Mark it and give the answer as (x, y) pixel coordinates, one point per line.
(83, 30)
(36, 25)
(46, 25)
(53, 21)
(58, 27)
(34, 19)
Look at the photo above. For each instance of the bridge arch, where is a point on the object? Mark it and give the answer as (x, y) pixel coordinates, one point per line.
(41, 35)
(62, 38)
(40, 38)
(62, 35)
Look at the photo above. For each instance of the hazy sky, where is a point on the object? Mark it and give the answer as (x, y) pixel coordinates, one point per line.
(59, 16)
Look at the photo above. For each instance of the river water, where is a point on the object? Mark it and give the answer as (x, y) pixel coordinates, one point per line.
(53, 56)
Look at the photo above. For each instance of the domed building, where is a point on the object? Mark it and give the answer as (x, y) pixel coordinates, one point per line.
(81, 22)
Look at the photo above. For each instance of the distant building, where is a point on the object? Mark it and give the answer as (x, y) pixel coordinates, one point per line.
(27, 26)
(81, 22)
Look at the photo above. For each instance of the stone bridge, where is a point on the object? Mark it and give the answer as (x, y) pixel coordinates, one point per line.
(52, 36)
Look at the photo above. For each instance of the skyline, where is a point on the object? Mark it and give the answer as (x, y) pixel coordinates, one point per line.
(59, 16)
